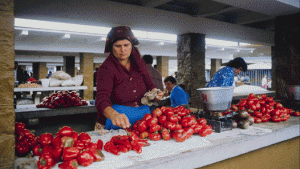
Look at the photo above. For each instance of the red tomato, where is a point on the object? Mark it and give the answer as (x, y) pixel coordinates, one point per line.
(202, 121)
(156, 112)
(162, 119)
(153, 120)
(147, 116)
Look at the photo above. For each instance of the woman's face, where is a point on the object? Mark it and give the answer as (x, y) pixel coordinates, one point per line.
(122, 49)
(237, 70)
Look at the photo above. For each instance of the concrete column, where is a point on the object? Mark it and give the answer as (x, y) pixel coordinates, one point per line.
(286, 54)
(163, 65)
(69, 65)
(86, 67)
(215, 66)
(191, 64)
(7, 82)
(40, 70)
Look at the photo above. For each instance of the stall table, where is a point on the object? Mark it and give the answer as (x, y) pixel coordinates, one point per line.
(276, 145)
(37, 92)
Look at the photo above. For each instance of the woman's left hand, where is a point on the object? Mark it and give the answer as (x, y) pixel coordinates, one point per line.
(159, 96)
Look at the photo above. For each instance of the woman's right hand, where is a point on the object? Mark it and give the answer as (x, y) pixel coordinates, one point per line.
(116, 118)
(120, 120)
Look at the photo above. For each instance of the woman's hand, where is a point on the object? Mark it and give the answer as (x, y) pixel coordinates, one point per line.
(116, 118)
(159, 95)
(120, 120)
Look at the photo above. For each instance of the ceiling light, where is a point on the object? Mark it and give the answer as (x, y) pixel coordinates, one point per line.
(161, 43)
(24, 32)
(67, 36)
(222, 49)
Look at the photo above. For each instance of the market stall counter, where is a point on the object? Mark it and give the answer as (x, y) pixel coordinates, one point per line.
(199, 151)
(39, 92)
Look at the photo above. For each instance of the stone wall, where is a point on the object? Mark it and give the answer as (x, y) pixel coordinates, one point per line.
(286, 53)
(7, 80)
(191, 64)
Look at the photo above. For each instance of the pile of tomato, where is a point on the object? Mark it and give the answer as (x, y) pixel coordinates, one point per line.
(264, 109)
(68, 147)
(167, 123)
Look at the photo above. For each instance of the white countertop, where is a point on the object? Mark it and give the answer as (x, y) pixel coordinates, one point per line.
(201, 151)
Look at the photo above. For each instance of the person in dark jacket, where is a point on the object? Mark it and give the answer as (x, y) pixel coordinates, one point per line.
(154, 73)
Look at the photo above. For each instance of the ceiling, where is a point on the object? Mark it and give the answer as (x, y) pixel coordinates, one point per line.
(222, 19)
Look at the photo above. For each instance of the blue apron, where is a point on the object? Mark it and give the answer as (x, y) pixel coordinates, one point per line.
(133, 114)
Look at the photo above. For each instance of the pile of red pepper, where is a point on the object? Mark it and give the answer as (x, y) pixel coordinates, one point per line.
(264, 109)
(68, 147)
(123, 143)
(25, 140)
(167, 122)
(62, 100)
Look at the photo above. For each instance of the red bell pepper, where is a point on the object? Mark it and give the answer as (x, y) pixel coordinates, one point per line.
(56, 142)
(70, 153)
(296, 113)
(99, 144)
(45, 161)
(122, 148)
(19, 127)
(90, 145)
(84, 137)
(22, 148)
(85, 159)
(136, 147)
(75, 135)
(71, 164)
(57, 153)
(67, 141)
(79, 144)
(37, 150)
(47, 149)
(110, 147)
(65, 131)
(97, 154)
(46, 139)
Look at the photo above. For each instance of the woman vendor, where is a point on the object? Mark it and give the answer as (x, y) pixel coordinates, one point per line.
(122, 80)
(225, 76)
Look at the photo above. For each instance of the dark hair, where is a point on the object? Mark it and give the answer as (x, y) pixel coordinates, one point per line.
(148, 59)
(238, 63)
(170, 79)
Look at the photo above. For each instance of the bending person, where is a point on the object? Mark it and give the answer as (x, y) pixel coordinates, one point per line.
(225, 76)
(122, 80)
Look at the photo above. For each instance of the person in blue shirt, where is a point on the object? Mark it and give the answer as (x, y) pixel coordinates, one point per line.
(177, 95)
(225, 76)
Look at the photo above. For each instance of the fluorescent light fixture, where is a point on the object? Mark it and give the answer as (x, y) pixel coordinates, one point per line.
(24, 32)
(58, 27)
(67, 36)
(48, 26)
(222, 49)
(220, 42)
(161, 43)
